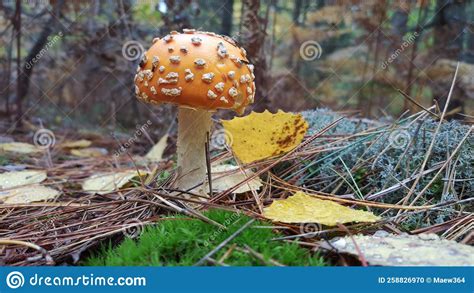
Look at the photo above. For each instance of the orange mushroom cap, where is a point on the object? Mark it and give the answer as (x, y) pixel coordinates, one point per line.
(197, 70)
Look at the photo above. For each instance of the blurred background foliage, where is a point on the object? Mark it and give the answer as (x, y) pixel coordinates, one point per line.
(62, 61)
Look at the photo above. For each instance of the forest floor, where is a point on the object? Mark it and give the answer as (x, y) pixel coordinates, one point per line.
(353, 191)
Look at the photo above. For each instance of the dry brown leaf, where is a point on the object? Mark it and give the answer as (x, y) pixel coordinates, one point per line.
(109, 182)
(82, 143)
(20, 147)
(19, 178)
(222, 181)
(333, 14)
(89, 152)
(27, 194)
(156, 152)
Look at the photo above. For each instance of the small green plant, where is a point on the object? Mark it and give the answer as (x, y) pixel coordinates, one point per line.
(163, 176)
(181, 241)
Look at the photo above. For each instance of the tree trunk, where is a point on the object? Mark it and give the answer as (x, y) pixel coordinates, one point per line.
(227, 14)
(449, 27)
(253, 36)
(8, 74)
(25, 70)
(297, 11)
(19, 85)
(411, 66)
(290, 62)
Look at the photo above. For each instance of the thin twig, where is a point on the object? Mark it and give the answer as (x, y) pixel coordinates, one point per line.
(224, 243)
(433, 141)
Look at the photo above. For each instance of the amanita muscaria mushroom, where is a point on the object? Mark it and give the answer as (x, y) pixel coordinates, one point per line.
(201, 72)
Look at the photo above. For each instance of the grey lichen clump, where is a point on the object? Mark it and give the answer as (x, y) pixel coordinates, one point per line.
(389, 155)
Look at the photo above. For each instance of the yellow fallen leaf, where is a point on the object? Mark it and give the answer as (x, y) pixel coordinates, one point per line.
(19, 178)
(156, 152)
(302, 208)
(89, 152)
(27, 194)
(82, 143)
(262, 135)
(19, 147)
(222, 181)
(108, 182)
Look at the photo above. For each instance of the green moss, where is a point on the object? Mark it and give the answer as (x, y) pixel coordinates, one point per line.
(181, 241)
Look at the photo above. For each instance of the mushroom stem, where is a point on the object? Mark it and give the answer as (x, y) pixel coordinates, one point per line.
(193, 126)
